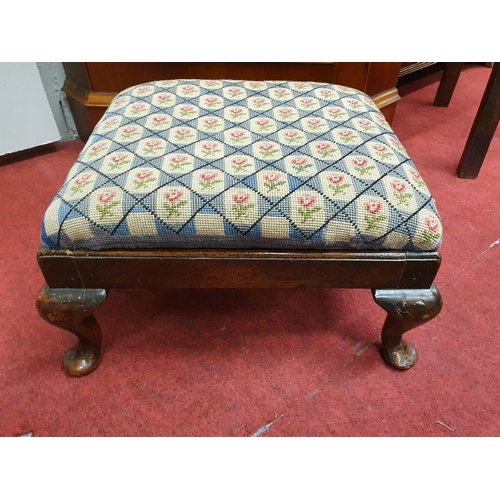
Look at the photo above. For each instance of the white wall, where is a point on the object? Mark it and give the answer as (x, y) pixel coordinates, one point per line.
(53, 76)
(26, 120)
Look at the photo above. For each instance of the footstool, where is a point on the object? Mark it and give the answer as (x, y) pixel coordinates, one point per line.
(234, 184)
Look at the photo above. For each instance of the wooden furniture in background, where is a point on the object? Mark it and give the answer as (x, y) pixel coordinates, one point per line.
(485, 123)
(91, 86)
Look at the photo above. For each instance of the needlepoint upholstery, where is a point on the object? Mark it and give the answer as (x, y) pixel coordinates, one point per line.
(243, 164)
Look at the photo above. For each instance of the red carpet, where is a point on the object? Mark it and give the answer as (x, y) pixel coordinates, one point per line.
(228, 362)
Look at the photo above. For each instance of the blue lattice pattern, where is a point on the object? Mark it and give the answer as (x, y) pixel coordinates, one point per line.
(243, 164)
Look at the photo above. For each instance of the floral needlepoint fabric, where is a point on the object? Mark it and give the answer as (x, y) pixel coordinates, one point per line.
(243, 164)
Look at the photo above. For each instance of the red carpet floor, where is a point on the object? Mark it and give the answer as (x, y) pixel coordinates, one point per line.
(226, 362)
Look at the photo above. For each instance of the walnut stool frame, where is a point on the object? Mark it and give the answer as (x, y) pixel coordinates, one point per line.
(77, 283)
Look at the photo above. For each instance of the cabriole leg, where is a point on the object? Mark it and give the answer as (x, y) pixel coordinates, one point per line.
(72, 309)
(406, 309)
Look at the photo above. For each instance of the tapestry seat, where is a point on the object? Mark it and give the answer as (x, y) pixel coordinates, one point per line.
(243, 164)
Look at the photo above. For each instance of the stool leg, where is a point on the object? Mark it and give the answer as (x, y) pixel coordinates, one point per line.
(72, 309)
(483, 128)
(406, 309)
(448, 83)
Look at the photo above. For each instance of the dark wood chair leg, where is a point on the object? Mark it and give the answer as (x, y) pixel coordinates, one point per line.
(448, 83)
(72, 309)
(406, 309)
(483, 128)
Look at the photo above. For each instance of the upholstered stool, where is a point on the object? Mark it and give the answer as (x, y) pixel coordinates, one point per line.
(228, 184)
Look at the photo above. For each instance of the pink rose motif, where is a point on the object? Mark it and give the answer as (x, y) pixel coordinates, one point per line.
(273, 181)
(325, 92)
(307, 207)
(144, 174)
(362, 165)
(382, 151)
(142, 178)
(173, 195)
(267, 149)
(337, 184)
(83, 179)
(80, 183)
(152, 146)
(210, 121)
(240, 163)
(96, 149)
(179, 158)
(174, 201)
(234, 91)
(255, 85)
(373, 207)
(106, 197)
(346, 135)
(398, 186)
(354, 103)
(307, 200)
(307, 102)
(291, 134)
(301, 160)
(432, 234)
(373, 216)
(335, 112)
(187, 110)
(236, 112)
(432, 224)
(336, 179)
(325, 149)
(211, 83)
(143, 90)
(279, 93)
(285, 112)
(119, 102)
(163, 98)
(188, 89)
(417, 178)
(158, 120)
(211, 101)
(242, 205)
(109, 123)
(178, 161)
(241, 198)
(208, 176)
(360, 162)
(259, 100)
(129, 132)
(138, 108)
(209, 179)
(237, 135)
(365, 123)
(209, 149)
(106, 203)
(118, 158)
(313, 122)
(300, 164)
(182, 134)
(263, 124)
(272, 178)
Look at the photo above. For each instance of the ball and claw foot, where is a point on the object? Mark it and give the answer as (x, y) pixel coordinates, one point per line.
(406, 309)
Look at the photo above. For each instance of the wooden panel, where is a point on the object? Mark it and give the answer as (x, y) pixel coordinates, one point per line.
(94, 84)
(382, 76)
(237, 269)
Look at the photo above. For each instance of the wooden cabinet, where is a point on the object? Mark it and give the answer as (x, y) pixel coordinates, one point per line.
(91, 86)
